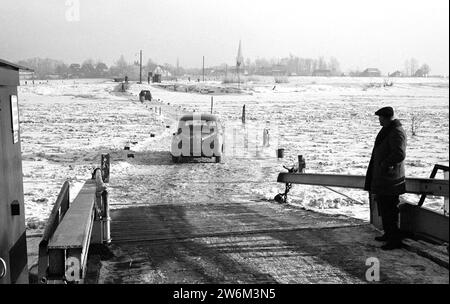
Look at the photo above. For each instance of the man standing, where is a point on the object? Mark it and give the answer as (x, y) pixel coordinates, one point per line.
(385, 178)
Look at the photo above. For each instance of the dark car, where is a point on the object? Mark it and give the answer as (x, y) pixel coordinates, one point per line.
(145, 95)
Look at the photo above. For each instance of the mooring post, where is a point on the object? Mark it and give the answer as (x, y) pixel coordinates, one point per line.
(265, 137)
(127, 146)
(243, 114)
(280, 153)
(301, 164)
(105, 165)
(212, 104)
(159, 110)
(245, 138)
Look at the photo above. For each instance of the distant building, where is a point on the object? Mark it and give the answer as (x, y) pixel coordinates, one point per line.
(74, 70)
(158, 71)
(263, 71)
(53, 76)
(420, 73)
(325, 73)
(279, 70)
(371, 72)
(396, 74)
(26, 75)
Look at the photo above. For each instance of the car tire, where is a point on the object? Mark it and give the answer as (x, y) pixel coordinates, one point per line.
(176, 159)
(218, 159)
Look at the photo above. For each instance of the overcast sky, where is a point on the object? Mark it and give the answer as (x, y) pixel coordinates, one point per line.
(360, 33)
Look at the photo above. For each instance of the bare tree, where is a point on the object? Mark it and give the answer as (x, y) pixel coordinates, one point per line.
(88, 68)
(322, 63)
(416, 123)
(121, 63)
(414, 66)
(100, 69)
(43, 67)
(407, 67)
(425, 69)
(62, 70)
(334, 66)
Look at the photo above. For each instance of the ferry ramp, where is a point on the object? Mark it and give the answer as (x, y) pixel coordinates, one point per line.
(252, 242)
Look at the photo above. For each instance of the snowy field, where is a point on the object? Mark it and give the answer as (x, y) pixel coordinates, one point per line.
(66, 125)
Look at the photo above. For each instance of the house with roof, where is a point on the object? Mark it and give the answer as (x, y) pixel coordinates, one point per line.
(396, 74)
(321, 72)
(371, 72)
(420, 73)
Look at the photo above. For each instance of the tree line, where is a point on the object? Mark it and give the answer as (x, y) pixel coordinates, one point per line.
(291, 65)
(45, 68)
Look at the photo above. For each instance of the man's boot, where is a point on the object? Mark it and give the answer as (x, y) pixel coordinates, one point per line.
(392, 244)
(382, 238)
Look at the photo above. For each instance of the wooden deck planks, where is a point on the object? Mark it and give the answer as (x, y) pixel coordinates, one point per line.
(157, 222)
(314, 250)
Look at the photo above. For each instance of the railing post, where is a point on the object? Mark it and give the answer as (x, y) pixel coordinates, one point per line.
(106, 219)
(103, 199)
(105, 165)
(97, 228)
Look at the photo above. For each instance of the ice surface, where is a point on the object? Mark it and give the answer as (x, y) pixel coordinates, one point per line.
(66, 125)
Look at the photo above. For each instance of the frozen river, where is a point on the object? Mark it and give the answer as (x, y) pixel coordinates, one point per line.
(66, 125)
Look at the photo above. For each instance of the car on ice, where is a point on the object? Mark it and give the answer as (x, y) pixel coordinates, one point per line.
(145, 95)
(198, 135)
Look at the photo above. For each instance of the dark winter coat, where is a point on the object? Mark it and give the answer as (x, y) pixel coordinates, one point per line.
(386, 172)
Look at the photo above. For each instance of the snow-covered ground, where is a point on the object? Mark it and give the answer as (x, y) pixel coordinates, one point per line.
(66, 125)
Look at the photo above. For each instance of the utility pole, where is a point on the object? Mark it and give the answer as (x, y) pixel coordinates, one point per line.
(140, 67)
(203, 69)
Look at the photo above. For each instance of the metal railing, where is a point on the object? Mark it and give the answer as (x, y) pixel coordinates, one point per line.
(97, 230)
(414, 219)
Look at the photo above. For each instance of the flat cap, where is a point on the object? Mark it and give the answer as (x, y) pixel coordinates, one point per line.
(386, 111)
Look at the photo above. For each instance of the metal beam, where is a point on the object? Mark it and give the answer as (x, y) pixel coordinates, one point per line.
(424, 223)
(430, 186)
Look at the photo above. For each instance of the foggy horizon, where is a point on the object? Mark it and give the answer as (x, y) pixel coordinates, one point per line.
(360, 34)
